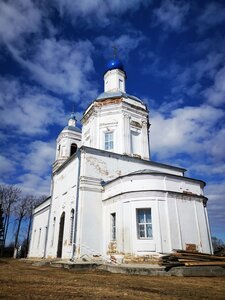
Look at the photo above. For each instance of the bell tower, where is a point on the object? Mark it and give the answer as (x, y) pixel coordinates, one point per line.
(67, 143)
(116, 121)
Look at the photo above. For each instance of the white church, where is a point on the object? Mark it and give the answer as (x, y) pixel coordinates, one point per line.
(107, 197)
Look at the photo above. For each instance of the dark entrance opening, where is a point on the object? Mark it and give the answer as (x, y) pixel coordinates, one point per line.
(73, 149)
(61, 230)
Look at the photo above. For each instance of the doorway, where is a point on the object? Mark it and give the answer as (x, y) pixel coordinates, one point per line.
(61, 230)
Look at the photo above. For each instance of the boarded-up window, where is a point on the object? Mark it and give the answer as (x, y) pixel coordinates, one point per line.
(135, 142)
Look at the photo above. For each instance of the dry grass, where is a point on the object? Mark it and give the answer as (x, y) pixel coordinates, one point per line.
(19, 280)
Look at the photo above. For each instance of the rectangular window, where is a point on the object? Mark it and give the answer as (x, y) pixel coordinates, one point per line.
(144, 223)
(113, 226)
(120, 84)
(109, 140)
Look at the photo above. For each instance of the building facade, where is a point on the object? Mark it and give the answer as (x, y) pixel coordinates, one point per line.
(108, 197)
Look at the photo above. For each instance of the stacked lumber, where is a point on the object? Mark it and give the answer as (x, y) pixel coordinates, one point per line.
(189, 258)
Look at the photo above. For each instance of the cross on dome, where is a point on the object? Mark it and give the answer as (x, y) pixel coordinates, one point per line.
(114, 63)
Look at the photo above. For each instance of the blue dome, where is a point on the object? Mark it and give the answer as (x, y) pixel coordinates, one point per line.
(72, 116)
(114, 64)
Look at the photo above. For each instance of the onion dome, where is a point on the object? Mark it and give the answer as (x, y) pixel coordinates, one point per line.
(72, 116)
(114, 63)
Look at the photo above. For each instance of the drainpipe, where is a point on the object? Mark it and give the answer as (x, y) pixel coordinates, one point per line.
(77, 206)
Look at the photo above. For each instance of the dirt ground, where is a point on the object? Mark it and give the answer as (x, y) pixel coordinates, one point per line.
(20, 280)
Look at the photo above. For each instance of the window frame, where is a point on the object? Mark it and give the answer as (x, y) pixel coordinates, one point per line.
(109, 141)
(121, 84)
(144, 224)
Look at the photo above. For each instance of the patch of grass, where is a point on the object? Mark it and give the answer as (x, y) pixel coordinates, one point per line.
(20, 280)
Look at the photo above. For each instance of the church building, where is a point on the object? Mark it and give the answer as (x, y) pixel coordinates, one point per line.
(108, 198)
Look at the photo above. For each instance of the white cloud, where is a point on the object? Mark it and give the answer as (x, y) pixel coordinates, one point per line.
(171, 14)
(98, 11)
(212, 15)
(28, 110)
(7, 165)
(36, 163)
(31, 165)
(61, 66)
(194, 138)
(125, 43)
(34, 184)
(39, 158)
(215, 192)
(188, 130)
(18, 18)
(206, 67)
(216, 94)
(209, 167)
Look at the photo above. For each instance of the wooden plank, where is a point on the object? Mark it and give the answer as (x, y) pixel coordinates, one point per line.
(186, 260)
(205, 263)
(213, 257)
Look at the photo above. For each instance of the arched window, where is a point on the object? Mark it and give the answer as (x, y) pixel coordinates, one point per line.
(73, 149)
(71, 225)
(61, 232)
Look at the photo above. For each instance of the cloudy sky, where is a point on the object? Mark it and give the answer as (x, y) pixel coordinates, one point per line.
(52, 58)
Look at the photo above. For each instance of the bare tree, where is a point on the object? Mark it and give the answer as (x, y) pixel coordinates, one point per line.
(218, 245)
(1, 230)
(32, 202)
(9, 195)
(17, 207)
(20, 211)
(31, 205)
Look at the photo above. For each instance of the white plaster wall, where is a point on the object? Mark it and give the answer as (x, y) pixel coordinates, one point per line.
(112, 81)
(177, 220)
(174, 225)
(39, 231)
(108, 166)
(127, 240)
(172, 229)
(117, 118)
(188, 224)
(151, 182)
(63, 200)
(90, 230)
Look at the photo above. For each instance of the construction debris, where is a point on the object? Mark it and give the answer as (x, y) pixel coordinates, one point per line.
(189, 258)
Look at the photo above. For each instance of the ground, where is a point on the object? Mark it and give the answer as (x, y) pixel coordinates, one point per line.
(20, 280)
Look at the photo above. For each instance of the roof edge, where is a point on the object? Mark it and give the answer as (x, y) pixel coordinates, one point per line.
(154, 173)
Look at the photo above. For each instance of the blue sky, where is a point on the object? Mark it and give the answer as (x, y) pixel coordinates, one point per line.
(52, 58)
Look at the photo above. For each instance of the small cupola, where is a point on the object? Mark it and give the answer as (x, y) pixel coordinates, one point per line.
(67, 143)
(114, 63)
(72, 120)
(115, 76)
